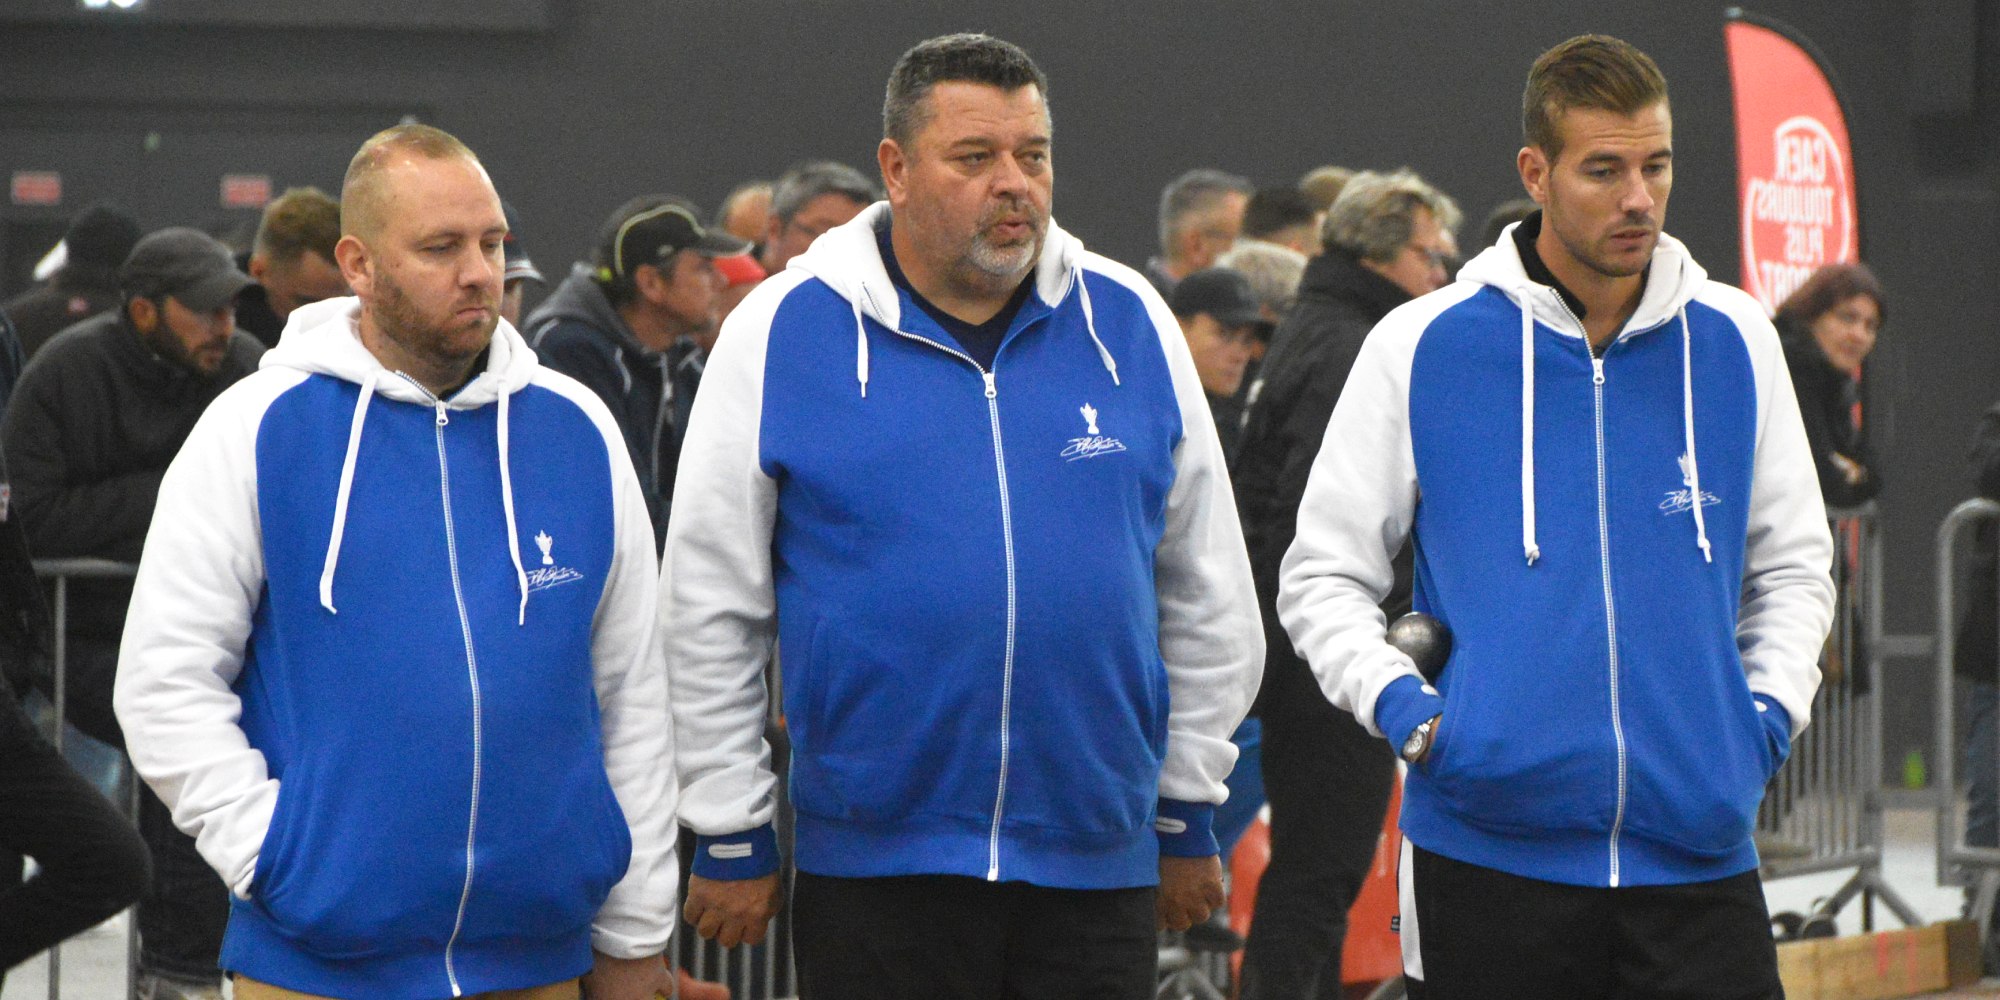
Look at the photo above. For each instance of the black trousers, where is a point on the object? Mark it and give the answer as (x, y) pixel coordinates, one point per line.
(92, 862)
(1488, 935)
(185, 908)
(947, 937)
(1328, 782)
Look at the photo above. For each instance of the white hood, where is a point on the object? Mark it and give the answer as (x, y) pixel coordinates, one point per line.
(323, 338)
(1672, 281)
(848, 260)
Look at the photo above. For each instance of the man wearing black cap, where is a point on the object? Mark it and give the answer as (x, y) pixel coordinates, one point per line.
(624, 323)
(520, 270)
(1221, 320)
(93, 424)
(94, 245)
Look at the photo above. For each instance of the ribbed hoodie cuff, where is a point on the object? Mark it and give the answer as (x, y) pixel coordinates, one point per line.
(1186, 829)
(1405, 703)
(737, 856)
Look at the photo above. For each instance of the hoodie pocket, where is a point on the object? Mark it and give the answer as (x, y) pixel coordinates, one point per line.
(890, 730)
(1516, 752)
(1697, 789)
(317, 887)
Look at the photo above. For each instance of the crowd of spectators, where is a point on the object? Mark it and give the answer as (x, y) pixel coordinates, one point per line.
(105, 368)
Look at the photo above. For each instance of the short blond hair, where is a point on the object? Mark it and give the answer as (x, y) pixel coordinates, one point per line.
(361, 190)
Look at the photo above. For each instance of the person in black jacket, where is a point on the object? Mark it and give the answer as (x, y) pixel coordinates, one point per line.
(87, 284)
(94, 422)
(1385, 242)
(625, 325)
(1828, 328)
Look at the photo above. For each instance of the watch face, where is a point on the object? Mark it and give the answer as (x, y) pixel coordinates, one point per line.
(1415, 744)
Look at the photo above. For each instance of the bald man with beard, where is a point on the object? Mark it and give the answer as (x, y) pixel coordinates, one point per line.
(389, 653)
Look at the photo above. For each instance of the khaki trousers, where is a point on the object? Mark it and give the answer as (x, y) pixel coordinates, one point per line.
(250, 989)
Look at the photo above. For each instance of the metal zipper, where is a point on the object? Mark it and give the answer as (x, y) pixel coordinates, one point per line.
(1007, 537)
(472, 673)
(1610, 608)
(1605, 567)
(665, 408)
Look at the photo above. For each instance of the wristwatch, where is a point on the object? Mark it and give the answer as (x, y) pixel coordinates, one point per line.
(1419, 742)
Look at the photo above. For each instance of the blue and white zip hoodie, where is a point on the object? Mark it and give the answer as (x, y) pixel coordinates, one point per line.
(390, 662)
(1015, 612)
(1630, 551)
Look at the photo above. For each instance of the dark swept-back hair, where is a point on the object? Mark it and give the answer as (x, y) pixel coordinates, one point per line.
(1596, 72)
(967, 57)
(1827, 288)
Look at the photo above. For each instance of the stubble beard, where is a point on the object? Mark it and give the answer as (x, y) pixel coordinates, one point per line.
(1595, 255)
(428, 341)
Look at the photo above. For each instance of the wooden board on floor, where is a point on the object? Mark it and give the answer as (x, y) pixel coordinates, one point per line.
(1880, 966)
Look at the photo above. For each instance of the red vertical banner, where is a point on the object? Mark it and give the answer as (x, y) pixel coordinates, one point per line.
(1794, 164)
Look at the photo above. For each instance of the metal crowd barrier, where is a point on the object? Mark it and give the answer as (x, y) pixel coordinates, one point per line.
(1959, 863)
(1823, 810)
(60, 572)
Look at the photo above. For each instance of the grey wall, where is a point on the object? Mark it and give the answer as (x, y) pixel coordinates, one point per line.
(616, 97)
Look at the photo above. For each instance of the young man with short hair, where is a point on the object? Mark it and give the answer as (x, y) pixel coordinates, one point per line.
(1621, 525)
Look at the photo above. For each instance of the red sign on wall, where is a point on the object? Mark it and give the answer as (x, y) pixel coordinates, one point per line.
(1794, 165)
(246, 190)
(36, 187)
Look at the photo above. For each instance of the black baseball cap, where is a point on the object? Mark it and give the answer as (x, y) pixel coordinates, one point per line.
(1219, 292)
(650, 230)
(188, 264)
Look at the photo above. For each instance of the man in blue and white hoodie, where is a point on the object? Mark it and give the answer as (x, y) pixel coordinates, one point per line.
(960, 472)
(1598, 459)
(390, 653)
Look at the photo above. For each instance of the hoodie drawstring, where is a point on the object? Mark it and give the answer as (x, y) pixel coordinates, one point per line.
(1528, 545)
(1691, 468)
(346, 487)
(1687, 415)
(1090, 324)
(860, 347)
(507, 505)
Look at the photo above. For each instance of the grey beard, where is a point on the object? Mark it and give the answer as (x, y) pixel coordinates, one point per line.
(1012, 262)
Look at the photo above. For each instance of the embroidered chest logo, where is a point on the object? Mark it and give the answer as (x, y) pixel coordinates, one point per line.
(548, 574)
(1681, 501)
(1093, 442)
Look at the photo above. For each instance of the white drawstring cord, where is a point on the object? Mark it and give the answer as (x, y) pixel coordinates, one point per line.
(1687, 415)
(860, 347)
(1528, 546)
(1090, 324)
(507, 505)
(346, 487)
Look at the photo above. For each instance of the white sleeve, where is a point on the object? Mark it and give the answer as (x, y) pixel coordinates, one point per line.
(1359, 503)
(718, 604)
(1211, 634)
(632, 698)
(200, 578)
(1788, 550)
